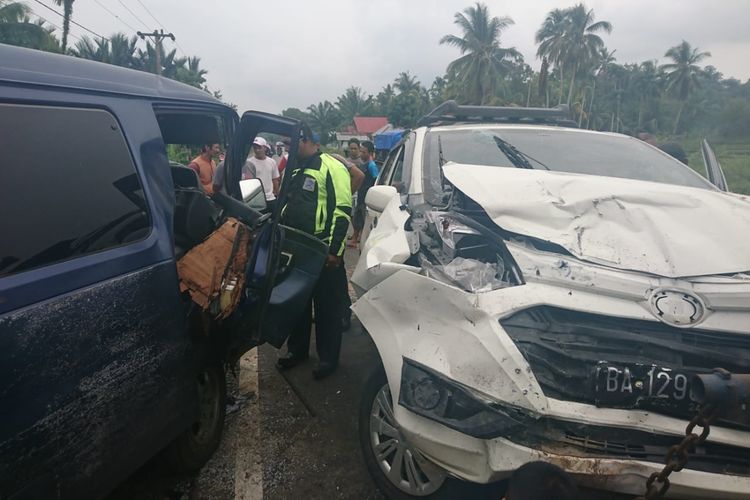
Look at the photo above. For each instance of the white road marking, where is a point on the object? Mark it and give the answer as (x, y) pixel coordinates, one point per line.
(248, 479)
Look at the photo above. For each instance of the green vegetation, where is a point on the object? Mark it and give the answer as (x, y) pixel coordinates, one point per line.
(680, 101)
(16, 28)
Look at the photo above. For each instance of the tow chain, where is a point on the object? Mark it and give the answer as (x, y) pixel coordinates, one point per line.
(677, 456)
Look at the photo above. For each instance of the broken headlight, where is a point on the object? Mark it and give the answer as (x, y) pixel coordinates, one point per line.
(432, 395)
(463, 252)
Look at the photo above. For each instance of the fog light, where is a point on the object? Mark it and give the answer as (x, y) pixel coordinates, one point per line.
(427, 394)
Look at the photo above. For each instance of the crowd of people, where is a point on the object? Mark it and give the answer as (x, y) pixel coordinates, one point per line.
(326, 194)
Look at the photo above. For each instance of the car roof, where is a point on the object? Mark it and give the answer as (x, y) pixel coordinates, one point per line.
(35, 67)
(516, 126)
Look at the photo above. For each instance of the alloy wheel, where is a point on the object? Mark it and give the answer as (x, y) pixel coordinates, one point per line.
(404, 466)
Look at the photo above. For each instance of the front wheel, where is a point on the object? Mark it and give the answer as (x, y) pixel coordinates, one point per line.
(399, 470)
(190, 451)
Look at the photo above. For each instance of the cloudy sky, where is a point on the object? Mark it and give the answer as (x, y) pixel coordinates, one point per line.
(275, 54)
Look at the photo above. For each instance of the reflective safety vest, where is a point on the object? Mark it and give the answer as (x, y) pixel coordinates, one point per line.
(320, 200)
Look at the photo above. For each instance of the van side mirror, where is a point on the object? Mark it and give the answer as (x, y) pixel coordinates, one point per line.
(253, 194)
(378, 197)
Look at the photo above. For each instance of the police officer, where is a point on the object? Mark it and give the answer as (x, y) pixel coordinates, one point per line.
(320, 203)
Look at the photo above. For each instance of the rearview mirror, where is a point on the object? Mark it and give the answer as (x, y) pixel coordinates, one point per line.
(378, 197)
(253, 194)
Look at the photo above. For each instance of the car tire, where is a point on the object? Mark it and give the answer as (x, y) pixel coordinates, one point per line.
(190, 451)
(433, 483)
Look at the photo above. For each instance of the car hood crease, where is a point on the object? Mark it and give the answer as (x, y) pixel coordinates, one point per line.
(661, 229)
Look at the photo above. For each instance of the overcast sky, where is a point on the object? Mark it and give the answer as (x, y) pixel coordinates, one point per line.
(276, 54)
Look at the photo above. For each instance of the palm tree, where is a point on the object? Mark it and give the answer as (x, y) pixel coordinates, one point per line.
(67, 14)
(120, 50)
(94, 50)
(551, 38)
(384, 99)
(683, 74)
(351, 103)
(483, 61)
(581, 43)
(17, 29)
(646, 85)
(323, 118)
(604, 59)
(406, 83)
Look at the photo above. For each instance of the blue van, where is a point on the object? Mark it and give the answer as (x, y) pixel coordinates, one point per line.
(103, 361)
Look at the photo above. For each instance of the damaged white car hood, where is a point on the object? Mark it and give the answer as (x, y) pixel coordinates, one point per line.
(662, 229)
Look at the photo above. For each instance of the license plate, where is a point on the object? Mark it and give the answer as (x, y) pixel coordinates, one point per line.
(642, 386)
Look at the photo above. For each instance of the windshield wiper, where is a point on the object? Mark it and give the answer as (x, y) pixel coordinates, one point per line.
(516, 157)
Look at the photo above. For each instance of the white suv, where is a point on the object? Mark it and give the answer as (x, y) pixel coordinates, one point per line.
(539, 292)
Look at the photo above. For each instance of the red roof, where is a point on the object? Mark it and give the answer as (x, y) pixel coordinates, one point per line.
(369, 124)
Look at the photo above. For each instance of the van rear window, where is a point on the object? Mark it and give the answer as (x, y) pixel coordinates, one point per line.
(68, 186)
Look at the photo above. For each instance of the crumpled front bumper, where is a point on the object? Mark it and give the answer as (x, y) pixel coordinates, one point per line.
(484, 461)
(459, 335)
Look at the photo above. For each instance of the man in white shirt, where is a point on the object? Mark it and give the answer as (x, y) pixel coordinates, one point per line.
(261, 167)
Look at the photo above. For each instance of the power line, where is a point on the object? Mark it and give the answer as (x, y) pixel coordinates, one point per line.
(150, 14)
(115, 15)
(133, 14)
(53, 24)
(77, 24)
(161, 26)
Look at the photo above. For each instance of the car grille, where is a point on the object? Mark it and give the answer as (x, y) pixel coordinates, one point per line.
(564, 347)
(708, 457)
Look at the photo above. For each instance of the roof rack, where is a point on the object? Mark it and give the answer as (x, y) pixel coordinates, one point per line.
(452, 112)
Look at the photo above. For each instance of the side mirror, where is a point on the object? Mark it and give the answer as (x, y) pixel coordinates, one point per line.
(378, 197)
(253, 194)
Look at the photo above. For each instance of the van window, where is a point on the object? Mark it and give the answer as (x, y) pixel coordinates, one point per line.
(68, 186)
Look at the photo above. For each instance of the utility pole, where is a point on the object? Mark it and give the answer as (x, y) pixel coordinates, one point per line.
(157, 36)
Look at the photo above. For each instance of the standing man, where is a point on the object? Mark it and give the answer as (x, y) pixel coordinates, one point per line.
(204, 166)
(264, 168)
(320, 204)
(283, 154)
(352, 151)
(370, 168)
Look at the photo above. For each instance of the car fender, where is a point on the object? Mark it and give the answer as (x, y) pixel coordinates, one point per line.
(441, 327)
(388, 246)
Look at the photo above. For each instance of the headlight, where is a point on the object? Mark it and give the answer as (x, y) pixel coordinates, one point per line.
(462, 252)
(431, 395)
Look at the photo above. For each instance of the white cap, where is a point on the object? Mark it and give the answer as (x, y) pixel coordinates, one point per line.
(260, 142)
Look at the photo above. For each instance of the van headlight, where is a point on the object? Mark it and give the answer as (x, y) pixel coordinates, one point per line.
(434, 396)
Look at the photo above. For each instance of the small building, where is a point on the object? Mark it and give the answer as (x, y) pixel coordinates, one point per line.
(364, 129)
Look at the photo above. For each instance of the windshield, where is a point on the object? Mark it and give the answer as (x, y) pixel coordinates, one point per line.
(557, 150)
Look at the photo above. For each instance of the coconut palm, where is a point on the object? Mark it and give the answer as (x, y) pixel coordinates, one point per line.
(406, 83)
(581, 43)
(483, 61)
(551, 38)
(17, 29)
(604, 59)
(351, 103)
(683, 75)
(119, 50)
(67, 6)
(323, 118)
(647, 86)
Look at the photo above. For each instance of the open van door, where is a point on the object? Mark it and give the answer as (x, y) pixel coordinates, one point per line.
(713, 168)
(284, 264)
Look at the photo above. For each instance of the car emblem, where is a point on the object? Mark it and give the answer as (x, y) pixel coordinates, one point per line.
(677, 307)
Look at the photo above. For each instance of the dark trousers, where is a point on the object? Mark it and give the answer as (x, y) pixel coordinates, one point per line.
(330, 298)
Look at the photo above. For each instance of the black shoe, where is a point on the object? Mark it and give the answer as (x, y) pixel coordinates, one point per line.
(289, 360)
(323, 370)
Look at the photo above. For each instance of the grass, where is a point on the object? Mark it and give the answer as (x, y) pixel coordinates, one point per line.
(734, 159)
